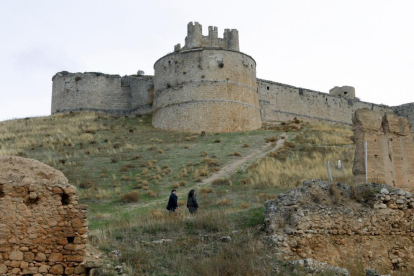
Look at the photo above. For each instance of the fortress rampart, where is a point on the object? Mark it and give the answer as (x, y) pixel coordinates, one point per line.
(208, 85)
(280, 102)
(112, 94)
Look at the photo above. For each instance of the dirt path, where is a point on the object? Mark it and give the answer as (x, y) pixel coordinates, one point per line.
(227, 170)
(244, 162)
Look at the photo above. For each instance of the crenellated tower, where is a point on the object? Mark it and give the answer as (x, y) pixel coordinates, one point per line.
(195, 38)
(208, 85)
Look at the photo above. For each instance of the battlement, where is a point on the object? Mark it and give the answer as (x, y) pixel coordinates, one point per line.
(195, 38)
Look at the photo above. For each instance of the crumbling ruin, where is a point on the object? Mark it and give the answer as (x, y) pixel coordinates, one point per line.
(371, 224)
(43, 230)
(390, 149)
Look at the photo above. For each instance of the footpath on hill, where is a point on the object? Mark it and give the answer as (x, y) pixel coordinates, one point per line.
(244, 162)
(228, 169)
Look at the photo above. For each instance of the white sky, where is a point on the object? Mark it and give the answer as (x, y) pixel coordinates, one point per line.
(314, 44)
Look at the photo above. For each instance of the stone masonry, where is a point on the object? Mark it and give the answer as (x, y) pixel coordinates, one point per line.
(369, 225)
(206, 89)
(43, 230)
(390, 149)
(207, 85)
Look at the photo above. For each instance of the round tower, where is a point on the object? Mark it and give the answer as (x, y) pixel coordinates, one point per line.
(208, 85)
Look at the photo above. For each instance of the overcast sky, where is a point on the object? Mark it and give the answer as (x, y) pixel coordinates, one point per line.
(314, 44)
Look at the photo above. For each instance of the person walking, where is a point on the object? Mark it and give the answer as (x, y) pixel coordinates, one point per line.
(172, 201)
(192, 203)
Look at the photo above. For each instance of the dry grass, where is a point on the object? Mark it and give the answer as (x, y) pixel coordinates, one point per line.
(222, 182)
(303, 159)
(224, 202)
(244, 205)
(133, 196)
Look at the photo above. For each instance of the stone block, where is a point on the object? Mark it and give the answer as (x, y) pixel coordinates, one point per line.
(16, 255)
(56, 269)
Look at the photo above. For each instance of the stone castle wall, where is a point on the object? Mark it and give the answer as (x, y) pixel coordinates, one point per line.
(43, 230)
(390, 149)
(206, 89)
(112, 94)
(280, 102)
(207, 85)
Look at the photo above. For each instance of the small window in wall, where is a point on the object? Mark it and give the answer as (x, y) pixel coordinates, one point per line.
(169, 62)
(326, 99)
(65, 199)
(345, 93)
(267, 87)
(300, 91)
(70, 239)
(1, 191)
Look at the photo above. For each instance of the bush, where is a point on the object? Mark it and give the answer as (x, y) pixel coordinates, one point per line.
(244, 205)
(224, 202)
(131, 197)
(222, 182)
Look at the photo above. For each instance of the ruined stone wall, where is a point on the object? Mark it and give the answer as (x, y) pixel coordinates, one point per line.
(281, 102)
(43, 230)
(405, 110)
(206, 90)
(369, 225)
(100, 92)
(390, 149)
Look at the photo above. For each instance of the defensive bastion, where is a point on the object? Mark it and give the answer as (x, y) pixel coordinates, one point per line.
(207, 85)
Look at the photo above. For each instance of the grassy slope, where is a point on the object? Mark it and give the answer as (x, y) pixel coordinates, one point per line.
(107, 158)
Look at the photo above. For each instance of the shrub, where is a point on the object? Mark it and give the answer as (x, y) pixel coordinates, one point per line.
(181, 203)
(244, 205)
(289, 144)
(224, 202)
(176, 185)
(160, 151)
(125, 178)
(136, 157)
(206, 190)
(246, 181)
(246, 145)
(222, 182)
(210, 161)
(335, 193)
(152, 194)
(203, 153)
(270, 139)
(131, 197)
(217, 141)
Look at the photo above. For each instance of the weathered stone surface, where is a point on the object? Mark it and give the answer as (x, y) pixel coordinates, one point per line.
(3, 269)
(56, 270)
(33, 197)
(112, 94)
(16, 256)
(314, 267)
(334, 222)
(390, 149)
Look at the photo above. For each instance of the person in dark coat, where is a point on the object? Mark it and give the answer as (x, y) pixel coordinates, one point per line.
(192, 203)
(172, 202)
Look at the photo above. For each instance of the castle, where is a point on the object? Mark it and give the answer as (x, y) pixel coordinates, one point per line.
(207, 85)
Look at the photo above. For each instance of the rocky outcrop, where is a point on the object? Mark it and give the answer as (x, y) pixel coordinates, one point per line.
(390, 149)
(369, 224)
(43, 230)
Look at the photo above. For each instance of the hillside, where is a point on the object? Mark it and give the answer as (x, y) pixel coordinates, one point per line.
(124, 170)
